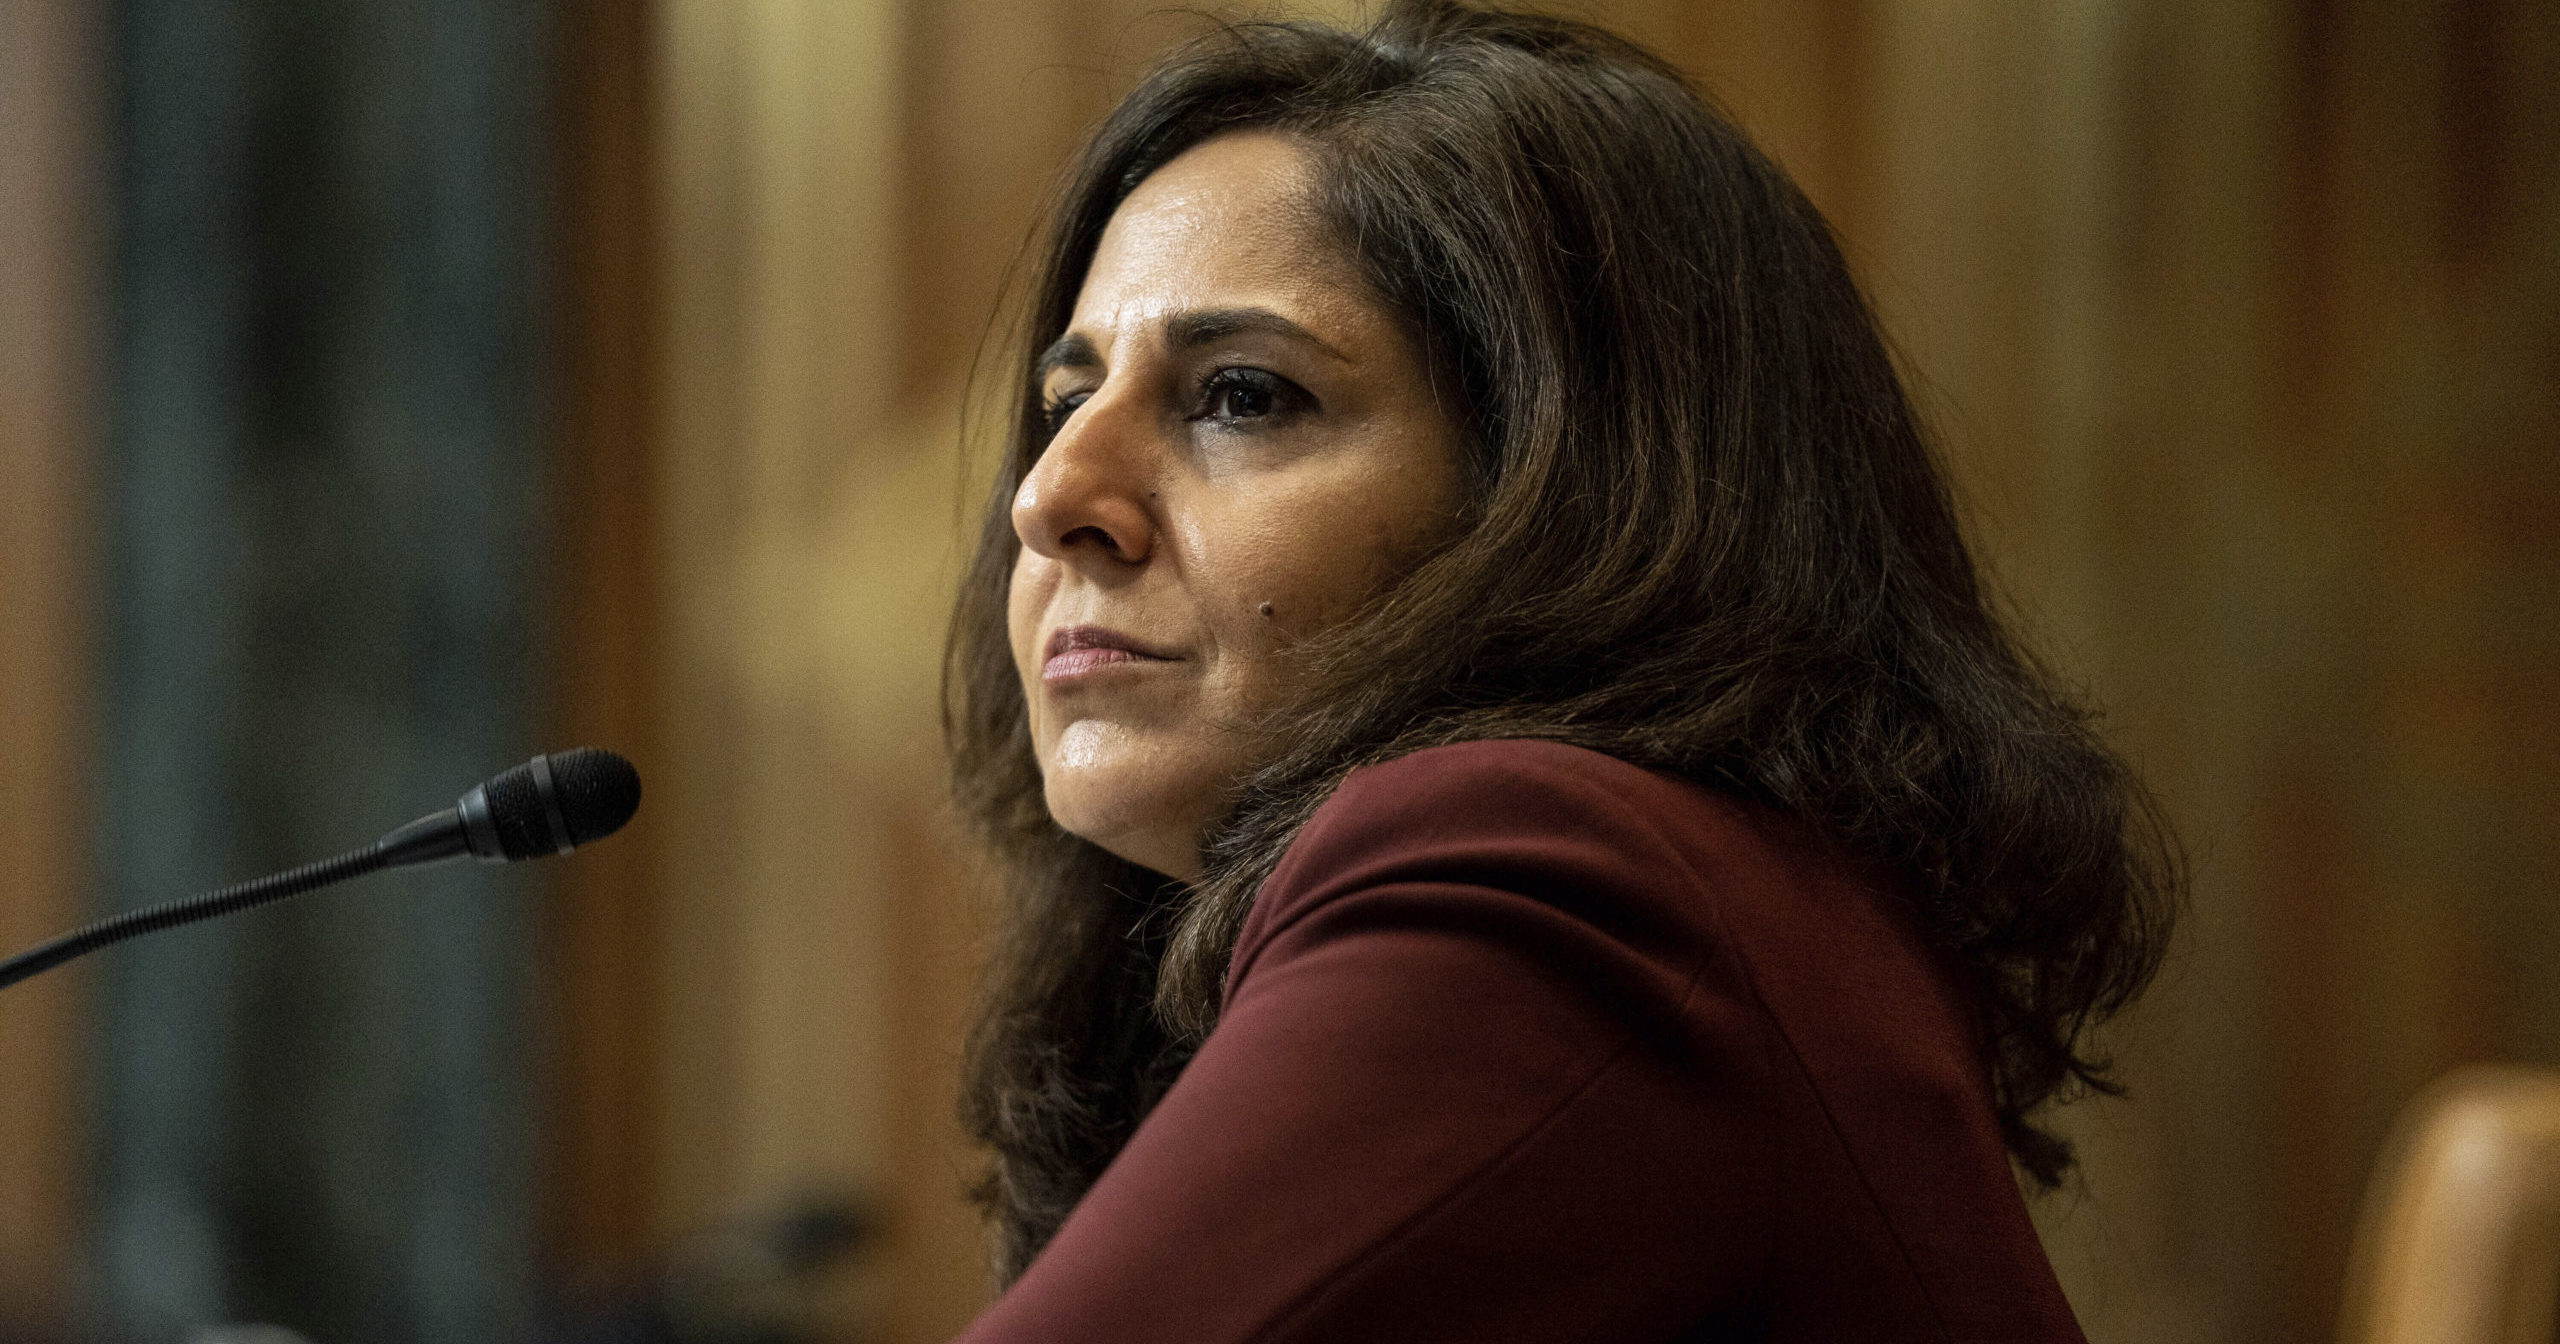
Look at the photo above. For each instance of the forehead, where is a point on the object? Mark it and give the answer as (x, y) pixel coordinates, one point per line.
(1230, 222)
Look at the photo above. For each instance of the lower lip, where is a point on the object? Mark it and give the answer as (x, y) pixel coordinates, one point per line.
(1075, 663)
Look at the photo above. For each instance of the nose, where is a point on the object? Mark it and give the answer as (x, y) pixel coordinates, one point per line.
(1085, 502)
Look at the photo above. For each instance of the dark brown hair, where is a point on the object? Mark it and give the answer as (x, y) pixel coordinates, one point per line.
(1704, 532)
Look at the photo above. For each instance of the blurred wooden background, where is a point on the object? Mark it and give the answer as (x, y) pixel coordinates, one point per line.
(47, 225)
(2241, 322)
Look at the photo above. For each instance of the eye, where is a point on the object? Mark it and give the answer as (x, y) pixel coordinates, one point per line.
(1054, 410)
(1232, 395)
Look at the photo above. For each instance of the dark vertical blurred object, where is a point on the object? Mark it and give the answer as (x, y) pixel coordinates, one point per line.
(598, 1219)
(322, 499)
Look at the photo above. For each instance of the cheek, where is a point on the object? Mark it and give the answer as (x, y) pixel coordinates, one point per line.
(1312, 556)
(1243, 561)
(1025, 601)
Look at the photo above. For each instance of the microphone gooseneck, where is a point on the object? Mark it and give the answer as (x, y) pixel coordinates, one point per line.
(239, 896)
(549, 805)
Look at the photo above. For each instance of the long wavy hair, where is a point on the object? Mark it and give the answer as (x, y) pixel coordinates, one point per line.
(1703, 531)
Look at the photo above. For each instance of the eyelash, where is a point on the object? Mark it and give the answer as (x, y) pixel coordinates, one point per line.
(1055, 410)
(1283, 398)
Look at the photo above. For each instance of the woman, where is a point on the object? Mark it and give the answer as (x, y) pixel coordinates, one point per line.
(1522, 822)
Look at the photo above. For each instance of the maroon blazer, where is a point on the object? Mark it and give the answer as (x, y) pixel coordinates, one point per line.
(1523, 1042)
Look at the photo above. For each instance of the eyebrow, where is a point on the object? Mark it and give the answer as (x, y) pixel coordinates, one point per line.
(1070, 351)
(1183, 331)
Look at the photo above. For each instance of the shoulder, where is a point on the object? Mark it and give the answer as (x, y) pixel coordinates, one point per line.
(1508, 793)
(1553, 765)
(1499, 831)
(1495, 771)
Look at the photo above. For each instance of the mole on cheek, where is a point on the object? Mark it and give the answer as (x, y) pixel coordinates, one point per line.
(1266, 609)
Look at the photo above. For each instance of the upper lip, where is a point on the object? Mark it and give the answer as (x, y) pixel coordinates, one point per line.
(1069, 638)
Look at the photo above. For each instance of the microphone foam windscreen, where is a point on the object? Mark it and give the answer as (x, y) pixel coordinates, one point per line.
(516, 810)
(598, 792)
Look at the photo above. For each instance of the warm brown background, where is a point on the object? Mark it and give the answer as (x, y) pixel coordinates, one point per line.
(47, 253)
(2241, 320)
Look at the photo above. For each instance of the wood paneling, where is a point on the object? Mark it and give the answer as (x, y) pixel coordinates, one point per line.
(603, 965)
(48, 87)
(795, 744)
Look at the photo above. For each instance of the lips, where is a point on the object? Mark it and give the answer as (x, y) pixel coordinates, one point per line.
(1078, 650)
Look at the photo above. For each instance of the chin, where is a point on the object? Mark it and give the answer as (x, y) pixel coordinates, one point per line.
(1138, 819)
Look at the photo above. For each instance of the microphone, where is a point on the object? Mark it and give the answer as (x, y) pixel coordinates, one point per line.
(549, 805)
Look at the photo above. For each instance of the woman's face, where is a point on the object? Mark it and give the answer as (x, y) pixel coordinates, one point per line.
(1247, 447)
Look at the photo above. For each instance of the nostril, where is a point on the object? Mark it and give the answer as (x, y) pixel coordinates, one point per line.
(1094, 535)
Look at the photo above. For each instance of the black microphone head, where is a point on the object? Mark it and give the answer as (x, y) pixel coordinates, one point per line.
(599, 791)
(552, 804)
